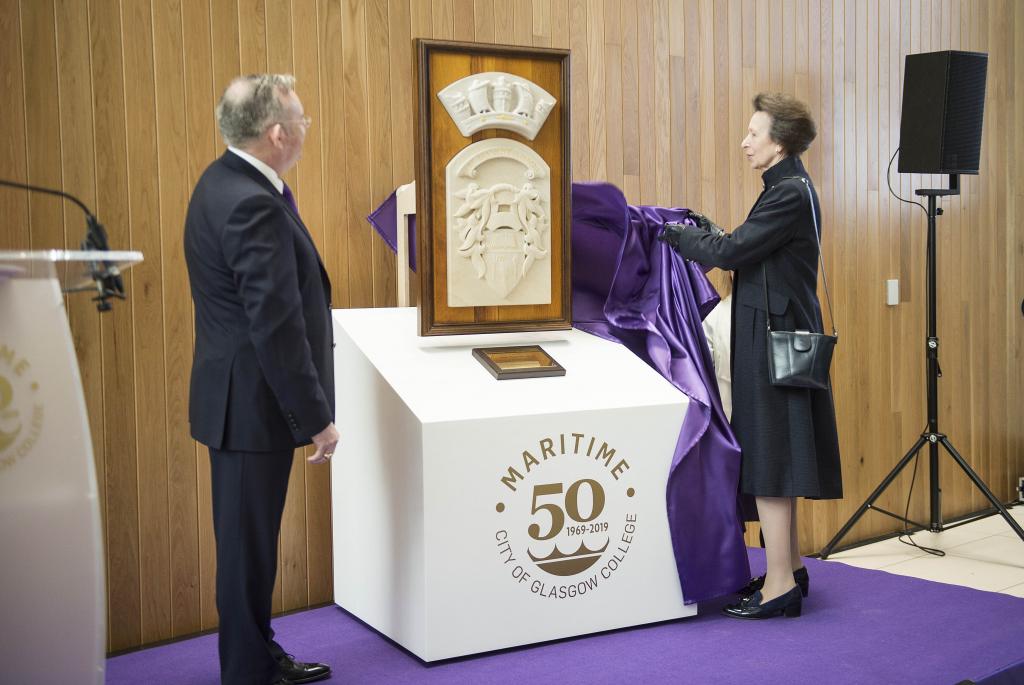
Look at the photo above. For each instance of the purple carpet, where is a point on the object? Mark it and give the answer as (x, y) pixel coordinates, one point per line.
(859, 626)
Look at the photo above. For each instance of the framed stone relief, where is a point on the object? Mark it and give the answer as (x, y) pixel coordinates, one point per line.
(493, 188)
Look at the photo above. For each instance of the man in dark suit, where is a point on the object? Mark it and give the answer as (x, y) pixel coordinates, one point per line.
(263, 374)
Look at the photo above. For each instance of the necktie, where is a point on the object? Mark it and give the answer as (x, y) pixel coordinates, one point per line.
(290, 198)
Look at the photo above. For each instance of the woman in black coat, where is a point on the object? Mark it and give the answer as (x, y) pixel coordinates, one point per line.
(788, 435)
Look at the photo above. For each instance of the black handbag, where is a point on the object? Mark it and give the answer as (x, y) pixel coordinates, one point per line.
(801, 359)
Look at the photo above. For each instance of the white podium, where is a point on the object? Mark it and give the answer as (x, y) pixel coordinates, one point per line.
(472, 514)
(52, 587)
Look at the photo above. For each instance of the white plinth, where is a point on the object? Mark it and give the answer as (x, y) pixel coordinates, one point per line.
(448, 487)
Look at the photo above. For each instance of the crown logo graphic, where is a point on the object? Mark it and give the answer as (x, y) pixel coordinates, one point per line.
(559, 564)
(495, 99)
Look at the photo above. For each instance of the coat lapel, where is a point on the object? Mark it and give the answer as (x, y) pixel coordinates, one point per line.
(235, 162)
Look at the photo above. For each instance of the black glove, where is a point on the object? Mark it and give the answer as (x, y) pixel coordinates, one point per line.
(706, 224)
(670, 234)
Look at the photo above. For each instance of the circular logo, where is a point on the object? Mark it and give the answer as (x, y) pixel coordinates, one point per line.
(565, 521)
(21, 416)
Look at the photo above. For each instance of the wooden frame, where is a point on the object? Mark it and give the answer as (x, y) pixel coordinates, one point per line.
(523, 361)
(440, 63)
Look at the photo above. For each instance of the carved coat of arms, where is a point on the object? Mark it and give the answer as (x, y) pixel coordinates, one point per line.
(499, 224)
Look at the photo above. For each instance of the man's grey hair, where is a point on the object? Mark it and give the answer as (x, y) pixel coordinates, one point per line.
(250, 104)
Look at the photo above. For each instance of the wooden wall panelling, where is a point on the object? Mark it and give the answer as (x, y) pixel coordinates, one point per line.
(252, 35)
(720, 156)
(543, 34)
(1015, 249)
(399, 32)
(711, 138)
(560, 26)
(332, 99)
(856, 260)
(630, 94)
(483, 21)
(442, 22)
(579, 67)
(402, 98)
(146, 330)
(613, 133)
(315, 581)
(956, 347)
(360, 267)
(382, 180)
(679, 92)
(117, 326)
(78, 164)
(13, 163)
(522, 22)
(689, 186)
(971, 409)
(996, 425)
(504, 25)
(596, 80)
(645, 123)
(120, 446)
(42, 114)
(898, 354)
(175, 142)
(663, 99)
(463, 20)
(911, 318)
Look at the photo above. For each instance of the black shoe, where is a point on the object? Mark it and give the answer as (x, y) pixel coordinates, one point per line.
(800, 576)
(293, 671)
(787, 604)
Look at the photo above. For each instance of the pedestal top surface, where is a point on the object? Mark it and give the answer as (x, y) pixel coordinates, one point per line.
(442, 381)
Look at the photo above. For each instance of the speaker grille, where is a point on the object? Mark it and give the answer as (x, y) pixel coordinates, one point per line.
(943, 110)
(965, 109)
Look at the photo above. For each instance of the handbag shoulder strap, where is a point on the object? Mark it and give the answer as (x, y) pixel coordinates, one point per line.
(821, 261)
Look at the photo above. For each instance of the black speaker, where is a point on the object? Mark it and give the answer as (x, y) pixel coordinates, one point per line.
(943, 104)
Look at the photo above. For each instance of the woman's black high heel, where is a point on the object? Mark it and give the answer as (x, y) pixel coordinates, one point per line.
(788, 604)
(800, 577)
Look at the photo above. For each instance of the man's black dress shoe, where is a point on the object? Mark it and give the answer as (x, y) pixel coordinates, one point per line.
(293, 671)
(800, 576)
(787, 604)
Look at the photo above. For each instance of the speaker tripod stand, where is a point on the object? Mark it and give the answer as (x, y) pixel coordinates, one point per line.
(931, 437)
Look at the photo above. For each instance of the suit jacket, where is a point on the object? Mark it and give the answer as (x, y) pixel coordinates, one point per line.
(263, 369)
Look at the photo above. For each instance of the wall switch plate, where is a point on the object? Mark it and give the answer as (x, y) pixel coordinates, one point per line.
(892, 292)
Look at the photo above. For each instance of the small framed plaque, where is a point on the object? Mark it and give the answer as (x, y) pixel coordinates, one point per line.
(526, 361)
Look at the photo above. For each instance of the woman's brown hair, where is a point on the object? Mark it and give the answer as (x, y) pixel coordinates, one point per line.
(792, 125)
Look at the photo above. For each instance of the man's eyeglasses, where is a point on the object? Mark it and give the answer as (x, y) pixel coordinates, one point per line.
(305, 121)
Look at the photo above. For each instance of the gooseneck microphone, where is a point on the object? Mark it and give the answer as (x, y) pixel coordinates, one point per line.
(106, 276)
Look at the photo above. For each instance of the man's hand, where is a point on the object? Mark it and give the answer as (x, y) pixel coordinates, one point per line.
(325, 442)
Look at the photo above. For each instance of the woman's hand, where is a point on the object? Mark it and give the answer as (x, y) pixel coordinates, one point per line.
(670, 234)
(706, 224)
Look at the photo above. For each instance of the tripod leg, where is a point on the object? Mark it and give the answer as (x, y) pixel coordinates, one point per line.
(981, 486)
(874, 495)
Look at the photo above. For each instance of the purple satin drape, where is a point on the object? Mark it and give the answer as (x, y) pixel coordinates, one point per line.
(384, 218)
(632, 289)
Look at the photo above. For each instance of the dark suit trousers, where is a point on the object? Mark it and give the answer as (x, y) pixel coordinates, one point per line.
(248, 490)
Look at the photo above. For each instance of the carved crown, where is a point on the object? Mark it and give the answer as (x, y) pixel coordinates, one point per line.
(495, 99)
